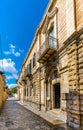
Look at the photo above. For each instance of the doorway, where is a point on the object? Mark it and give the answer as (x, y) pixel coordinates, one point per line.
(57, 96)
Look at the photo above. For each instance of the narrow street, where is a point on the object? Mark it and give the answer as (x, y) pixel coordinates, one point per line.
(16, 117)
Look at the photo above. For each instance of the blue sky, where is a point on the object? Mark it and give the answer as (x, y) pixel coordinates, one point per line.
(18, 22)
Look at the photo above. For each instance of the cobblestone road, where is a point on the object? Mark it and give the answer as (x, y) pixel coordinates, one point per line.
(16, 117)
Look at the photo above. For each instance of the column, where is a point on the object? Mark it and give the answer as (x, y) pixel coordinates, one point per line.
(26, 93)
(52, 99)
(22, 90)
(45, 96)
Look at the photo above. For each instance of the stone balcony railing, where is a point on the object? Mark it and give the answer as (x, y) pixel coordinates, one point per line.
(47, 49)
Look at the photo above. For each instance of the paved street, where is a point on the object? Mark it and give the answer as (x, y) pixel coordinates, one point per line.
(16, 117)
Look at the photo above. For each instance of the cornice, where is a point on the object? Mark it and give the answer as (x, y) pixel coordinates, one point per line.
(39, 29)
(49, 15)
(52, 12)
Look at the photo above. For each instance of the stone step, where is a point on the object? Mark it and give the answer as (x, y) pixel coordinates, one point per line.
(55, 113)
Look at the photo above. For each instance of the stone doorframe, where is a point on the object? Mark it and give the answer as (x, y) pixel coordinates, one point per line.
(51, 69)
(54, 82)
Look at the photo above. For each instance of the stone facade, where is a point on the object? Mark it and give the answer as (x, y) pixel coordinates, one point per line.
(3, 91)
(55, 82)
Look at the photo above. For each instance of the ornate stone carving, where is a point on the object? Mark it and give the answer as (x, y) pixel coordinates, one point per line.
(48, 17)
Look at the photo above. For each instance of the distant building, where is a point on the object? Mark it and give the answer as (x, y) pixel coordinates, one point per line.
(3, 89)
(51, 77)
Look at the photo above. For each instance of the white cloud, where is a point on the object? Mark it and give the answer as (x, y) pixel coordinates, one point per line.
(9, 77)
(21, 50)
(13, 76)
(7, 52)
(8, 65)
(17, 54)
(12, 46)
(13, 51)
(11, 85)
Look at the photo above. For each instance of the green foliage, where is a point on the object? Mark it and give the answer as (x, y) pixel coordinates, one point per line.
(14, 90)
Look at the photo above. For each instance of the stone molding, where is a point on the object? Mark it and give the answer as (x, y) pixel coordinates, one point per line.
(48, 17)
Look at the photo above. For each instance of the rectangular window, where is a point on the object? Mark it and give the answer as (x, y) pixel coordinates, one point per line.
(51, 32)
(34, 59)
(51, 37)
(30, 66)
(24, 92)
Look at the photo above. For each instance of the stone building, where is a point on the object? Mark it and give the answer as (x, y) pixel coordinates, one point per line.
(3, 91)
(51, 77)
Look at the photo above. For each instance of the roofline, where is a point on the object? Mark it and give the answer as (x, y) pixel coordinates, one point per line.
(37, 31)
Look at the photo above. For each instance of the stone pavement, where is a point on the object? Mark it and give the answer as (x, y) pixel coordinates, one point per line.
(16, 117)
(50, 117)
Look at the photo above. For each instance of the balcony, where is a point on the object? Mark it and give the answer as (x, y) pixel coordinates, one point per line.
(23, 78)
(47, 49)
(20, 81)
(28, 73)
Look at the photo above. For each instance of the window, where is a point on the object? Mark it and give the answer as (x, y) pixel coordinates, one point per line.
(30, 65)
(34, 59)
(51, 31)
(34, 87)
(51, 37)
(27, 68)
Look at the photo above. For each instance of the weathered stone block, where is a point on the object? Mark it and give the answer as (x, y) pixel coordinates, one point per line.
(77, 121)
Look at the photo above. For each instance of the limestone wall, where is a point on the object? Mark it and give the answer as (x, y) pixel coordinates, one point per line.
(79, 13)
(3, 91)
(75, 95)
(66, 15)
